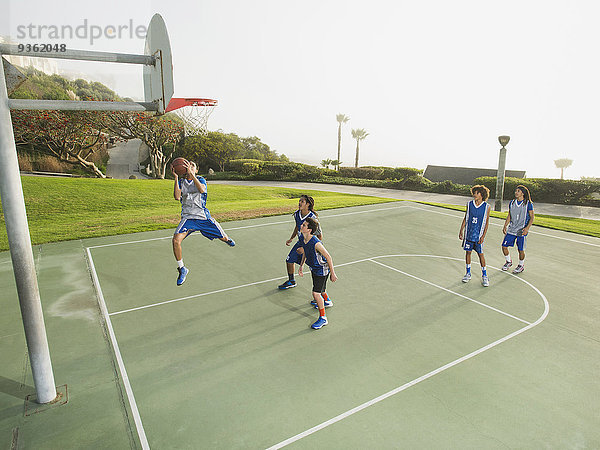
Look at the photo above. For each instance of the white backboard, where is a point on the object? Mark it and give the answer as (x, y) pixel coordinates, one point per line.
(158, 79)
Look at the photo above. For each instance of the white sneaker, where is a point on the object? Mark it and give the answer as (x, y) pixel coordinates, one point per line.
(466, 278)
(519, 269)
(485, 281)
(506, 265)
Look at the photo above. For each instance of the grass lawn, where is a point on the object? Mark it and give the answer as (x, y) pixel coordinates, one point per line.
(60, 209)
(572, 224)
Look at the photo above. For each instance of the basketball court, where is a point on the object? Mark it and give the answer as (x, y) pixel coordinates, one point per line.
(412, 357)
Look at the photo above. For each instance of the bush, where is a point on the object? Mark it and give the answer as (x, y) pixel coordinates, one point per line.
(25, 163)
(547, 190)
(378, 173)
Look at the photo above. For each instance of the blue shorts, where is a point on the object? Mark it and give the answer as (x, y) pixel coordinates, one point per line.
(470, 245)
(294, 257)
(509, 241)
(209, 228)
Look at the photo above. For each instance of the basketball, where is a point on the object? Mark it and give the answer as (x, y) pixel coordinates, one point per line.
(179, 166)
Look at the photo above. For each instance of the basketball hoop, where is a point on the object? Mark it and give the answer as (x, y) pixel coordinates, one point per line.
(194, 112)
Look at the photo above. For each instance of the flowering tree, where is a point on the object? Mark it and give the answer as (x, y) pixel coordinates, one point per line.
(160, 134)
(70, 136)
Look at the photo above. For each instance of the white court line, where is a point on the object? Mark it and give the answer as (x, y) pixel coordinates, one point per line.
(344, 214)
(129, 391)
(216, 292)
(451, 292)
(500, 225)
(194, 296)
(254, 226)
(437, 371)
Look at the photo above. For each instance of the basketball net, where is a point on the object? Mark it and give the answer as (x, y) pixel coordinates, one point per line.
(195, 117)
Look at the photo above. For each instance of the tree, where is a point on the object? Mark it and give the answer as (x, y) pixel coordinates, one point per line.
(213, 149)
(70, 136)
(562, 164)
(341, 118)
(160, 133)
(359, 134)
(326, 163)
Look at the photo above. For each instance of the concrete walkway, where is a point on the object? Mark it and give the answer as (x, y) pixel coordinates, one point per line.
(582, 212)
(124, 160)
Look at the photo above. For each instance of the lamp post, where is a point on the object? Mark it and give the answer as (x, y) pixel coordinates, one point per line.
(500, 174)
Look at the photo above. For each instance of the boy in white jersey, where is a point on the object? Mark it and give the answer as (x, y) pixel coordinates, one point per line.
(516, 227)
(191, 191)
(476, 221)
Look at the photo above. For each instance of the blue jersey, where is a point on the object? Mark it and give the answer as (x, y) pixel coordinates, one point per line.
(476, 219)
(193, 202)
(299, 218)
(317, 262)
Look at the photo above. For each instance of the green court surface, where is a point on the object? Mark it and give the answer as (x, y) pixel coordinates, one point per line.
(411, 358)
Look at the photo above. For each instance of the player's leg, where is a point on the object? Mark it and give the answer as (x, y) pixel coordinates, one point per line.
(292, 258)
(509, 241)
(521, 244)
(484, 276)
(467, 276)
(327, 302)
(318, 287)
(178, 253)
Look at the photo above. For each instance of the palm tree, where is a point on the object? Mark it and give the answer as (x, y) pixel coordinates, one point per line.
(359, 134)
(341, 118)
(562, 164)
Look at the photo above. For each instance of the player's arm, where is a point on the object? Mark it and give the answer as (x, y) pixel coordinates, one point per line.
(462, 225)
(176, 188)
(531, 217)
(199, 185)
(320, 235)
(506, 222)
(321, 249)
(294, 234)
(300, 270)
(487, 224)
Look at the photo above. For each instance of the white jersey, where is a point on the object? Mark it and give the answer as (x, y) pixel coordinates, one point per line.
(519, 216)
(193, 202)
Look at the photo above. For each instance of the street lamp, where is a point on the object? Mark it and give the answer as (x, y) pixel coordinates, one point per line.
(500, 174)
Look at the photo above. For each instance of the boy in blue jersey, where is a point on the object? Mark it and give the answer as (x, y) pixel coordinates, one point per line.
(306, 206)
(476, 221)
(516, 227)
(191, 191)
(321, 267)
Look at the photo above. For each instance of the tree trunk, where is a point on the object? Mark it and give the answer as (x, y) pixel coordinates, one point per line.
(561, 173)
(356, 158)
(88, 165)
(339, 145)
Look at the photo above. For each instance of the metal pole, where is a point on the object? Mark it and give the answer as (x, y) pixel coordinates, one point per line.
(500, 179)
(84, 55)
(13, 205)
(78, 105)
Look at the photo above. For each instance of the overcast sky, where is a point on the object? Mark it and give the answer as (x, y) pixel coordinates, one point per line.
(432, 82)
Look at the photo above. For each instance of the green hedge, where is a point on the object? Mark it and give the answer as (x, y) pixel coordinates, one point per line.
(378, 173)
(542, 189)
(547, 190)
(255, 169)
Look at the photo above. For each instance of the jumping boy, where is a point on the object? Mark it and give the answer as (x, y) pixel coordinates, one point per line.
(191, 191)
(306, 206)
(321, 267)
(476, 221)
(516, 227)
